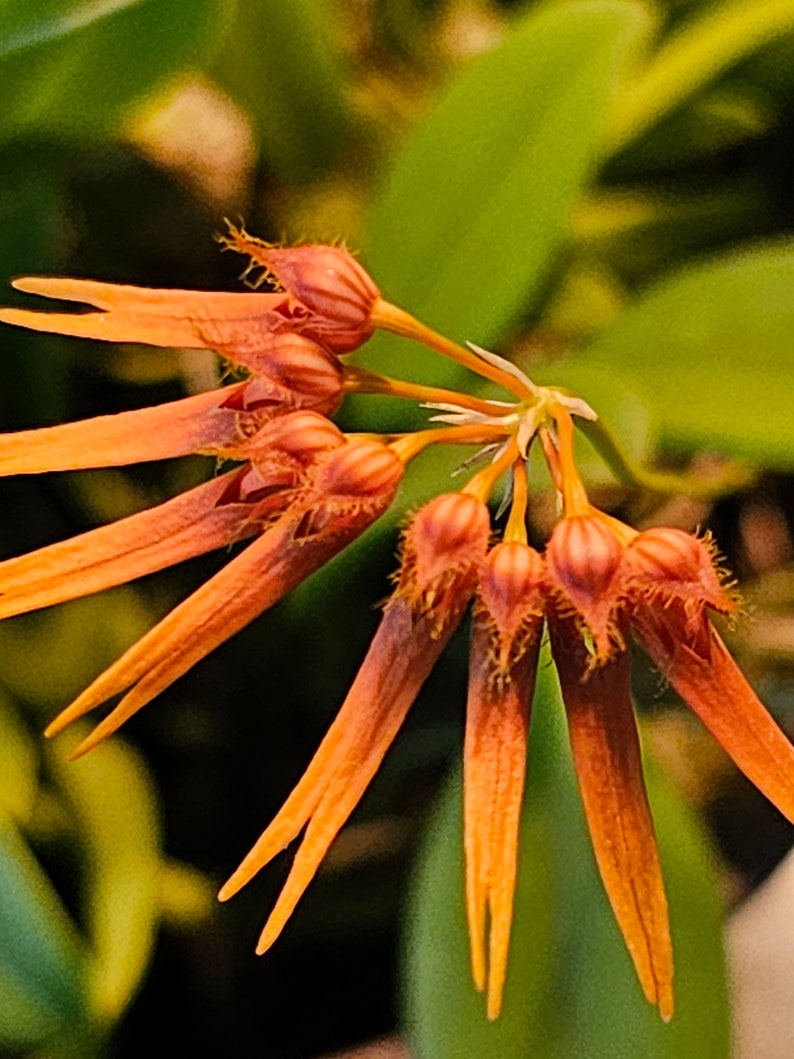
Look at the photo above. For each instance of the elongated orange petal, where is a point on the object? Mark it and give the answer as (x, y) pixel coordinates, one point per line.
(442, 549)
(398, 662)
(188, 525)
(177, 428)
(608, 763)
(295, 546)
(193, 319)
(704, 674)
(497, 719)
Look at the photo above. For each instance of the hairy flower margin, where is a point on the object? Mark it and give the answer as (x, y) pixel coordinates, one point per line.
(300, 490)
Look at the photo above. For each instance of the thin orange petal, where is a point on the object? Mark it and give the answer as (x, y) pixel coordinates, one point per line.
(246, 587)
(608, 763)
(704, 674)
(192, 319)
(497, 720)
(307, 535)
(193, 424)
(398, 662)
(188, 525)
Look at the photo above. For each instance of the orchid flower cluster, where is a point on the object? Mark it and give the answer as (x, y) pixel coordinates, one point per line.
(299, 490)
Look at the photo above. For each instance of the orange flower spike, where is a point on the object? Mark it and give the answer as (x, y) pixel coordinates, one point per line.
(350, 488)
(608, 763)
(443, 548)
(335, 295)
(503, 664)
(670, 579)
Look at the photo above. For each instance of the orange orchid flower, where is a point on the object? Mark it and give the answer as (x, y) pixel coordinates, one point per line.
(301, 490)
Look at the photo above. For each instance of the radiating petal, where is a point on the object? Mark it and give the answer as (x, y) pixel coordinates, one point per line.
(608, 763)
(192, 319)
(704, 674)
(304, 538)
(497, 719)
(193, 424)
(188, 525)
(398, 662)
(443, 547)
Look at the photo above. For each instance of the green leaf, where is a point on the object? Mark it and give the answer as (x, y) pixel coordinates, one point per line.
(572, 992)
(708, 350)
(475, 208)
(112, 799)
(73, 67)
(703, 49)
(280, 63)
(42, 963)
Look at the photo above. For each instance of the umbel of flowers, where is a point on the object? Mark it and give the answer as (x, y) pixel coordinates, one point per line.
(299, 490)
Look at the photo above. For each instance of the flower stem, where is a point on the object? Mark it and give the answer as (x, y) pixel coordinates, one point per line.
(408, 446)
(398, 322)
(516, 528)
(482, 484)
(359, 380)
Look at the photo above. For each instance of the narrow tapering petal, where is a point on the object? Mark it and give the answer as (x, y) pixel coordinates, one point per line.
(416, 625)
(398, 662)
(608, 764)
(191, 524)
(304, 538)
(502, 669)
(177, 428)
(704, 674)
(229, 322)
(497, 719)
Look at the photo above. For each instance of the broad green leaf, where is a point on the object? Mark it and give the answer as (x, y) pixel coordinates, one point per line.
(42, 963)
(474, 209)
(709, 351)
(695, 56)
(280, 63)
(572, 992)
(73, 67)
(112, 799)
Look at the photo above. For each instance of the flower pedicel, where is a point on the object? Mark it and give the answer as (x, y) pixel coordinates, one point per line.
(301, 490)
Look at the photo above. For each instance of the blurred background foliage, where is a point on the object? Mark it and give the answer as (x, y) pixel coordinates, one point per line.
(602, 190)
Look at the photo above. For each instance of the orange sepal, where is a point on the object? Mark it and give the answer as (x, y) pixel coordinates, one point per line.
(199, 423)
(607, 758)
(442, 549)
(191, 524)
(306, 536)
(234, 323)
(702, 671)
(502, 669)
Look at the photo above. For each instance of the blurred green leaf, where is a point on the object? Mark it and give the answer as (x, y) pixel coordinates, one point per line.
(572, 992)
(19, 763)
(475, 207)
(709, 350)
(73, 67)
(281, 64)
(706, 45)
(113, 802)
(42, 963)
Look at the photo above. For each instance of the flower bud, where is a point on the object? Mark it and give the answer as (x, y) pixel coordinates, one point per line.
(583, 557)
(448, 534)
(361, 468)
(291, 371)
(511, 599)
(335, 293)
(665, 564)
